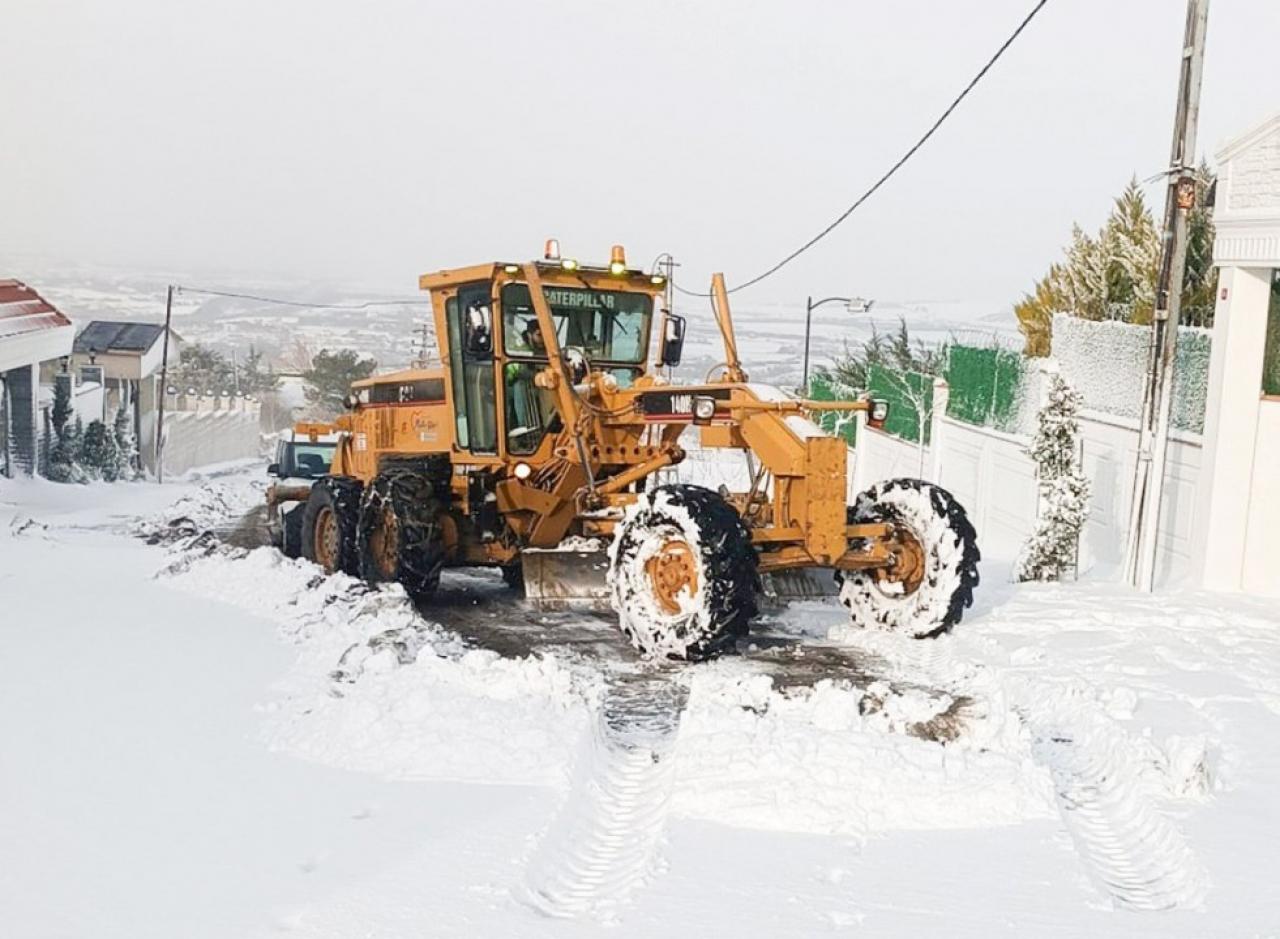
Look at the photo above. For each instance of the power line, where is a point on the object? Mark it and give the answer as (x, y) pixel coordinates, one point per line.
(298, 303)
(893, 169)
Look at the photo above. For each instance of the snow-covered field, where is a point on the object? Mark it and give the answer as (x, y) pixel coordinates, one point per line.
(201, 740)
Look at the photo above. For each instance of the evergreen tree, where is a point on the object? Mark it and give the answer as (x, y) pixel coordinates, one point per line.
(329, 379)
(202, 368)
(851, 370)
(1131, 245)
(98, 452)
(64, 461)
(1064, 490)
(126, 444)
(1113, 275)
(61, 405)
(254, 379)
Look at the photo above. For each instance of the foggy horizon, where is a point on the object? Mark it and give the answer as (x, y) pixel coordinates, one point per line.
(316, 142)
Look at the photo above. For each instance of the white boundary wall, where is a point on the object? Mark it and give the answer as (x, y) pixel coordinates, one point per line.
(991, 475)
(199, 438)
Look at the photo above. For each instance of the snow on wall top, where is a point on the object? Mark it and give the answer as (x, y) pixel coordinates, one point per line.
(1106, 362)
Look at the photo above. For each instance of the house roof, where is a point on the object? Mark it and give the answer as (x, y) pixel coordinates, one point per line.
(1248, 138)
(106, 336)
(23, 311)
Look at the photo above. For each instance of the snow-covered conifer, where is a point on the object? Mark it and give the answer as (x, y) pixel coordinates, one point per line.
(98, 452)
(1064, 490)
(126, 445)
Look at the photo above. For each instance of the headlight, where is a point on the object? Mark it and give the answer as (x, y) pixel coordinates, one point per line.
(704, 408)
(879, 412)
(523, 470)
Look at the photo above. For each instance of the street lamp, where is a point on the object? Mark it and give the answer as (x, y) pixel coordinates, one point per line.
(852, 304)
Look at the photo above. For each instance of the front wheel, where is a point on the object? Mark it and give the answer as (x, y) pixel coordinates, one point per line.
(926, 591)
(682, 574)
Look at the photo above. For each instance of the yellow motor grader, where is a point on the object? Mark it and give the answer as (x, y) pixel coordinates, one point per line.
(537, 448)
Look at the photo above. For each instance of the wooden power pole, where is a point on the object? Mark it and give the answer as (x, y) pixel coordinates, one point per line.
(1148, 483)
(164, 386)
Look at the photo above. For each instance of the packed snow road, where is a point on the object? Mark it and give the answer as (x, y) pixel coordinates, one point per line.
(202, 738)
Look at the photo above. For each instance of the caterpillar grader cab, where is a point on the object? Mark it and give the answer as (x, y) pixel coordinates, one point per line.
(538, 445)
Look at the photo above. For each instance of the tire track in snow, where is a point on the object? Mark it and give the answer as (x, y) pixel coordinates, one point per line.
(1130, 849)
(604, 842)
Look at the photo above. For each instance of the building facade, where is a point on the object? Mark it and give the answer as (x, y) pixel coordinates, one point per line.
(128, 357)
(1239, 508)
(32, 333)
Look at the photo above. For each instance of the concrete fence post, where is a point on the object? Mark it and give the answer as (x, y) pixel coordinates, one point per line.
(862, 442)
(941, 397)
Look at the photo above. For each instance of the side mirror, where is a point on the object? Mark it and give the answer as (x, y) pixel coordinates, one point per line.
(576, 364)
(877, 412)
(478, 330)
(672, 340)
(273, 469)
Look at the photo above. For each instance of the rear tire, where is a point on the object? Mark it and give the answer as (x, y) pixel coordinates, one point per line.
(291, 532)
(329, 524)
(934, 598)
(682, 574)
(400, 536)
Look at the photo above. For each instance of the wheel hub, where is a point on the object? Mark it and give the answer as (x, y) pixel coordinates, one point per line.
(326, 539)
(672, 571)
(384, 542)
(906, 574)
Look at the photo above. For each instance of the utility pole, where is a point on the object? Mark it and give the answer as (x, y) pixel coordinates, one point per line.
(1148, 484)
(158, 449)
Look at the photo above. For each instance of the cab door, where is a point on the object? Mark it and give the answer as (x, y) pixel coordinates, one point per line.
(471, 364)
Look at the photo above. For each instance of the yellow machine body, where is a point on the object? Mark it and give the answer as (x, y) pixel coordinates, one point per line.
(548, 415)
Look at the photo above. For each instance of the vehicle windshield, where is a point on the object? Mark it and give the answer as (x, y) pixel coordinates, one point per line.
(306, 460)
(609, 325)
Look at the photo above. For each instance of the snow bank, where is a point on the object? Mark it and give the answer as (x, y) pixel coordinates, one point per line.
(378, 688)
(838, 759)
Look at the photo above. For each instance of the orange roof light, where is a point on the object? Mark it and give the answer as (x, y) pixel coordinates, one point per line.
(551, 251)
(617, 260)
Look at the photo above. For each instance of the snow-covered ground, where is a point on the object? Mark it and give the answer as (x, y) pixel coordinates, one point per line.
(204, 740)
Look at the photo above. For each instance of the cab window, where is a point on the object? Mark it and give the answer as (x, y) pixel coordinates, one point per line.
(609, 325)
(306, 460)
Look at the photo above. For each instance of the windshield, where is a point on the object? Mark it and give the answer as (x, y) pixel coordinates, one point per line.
(609, 325)
(306, 460)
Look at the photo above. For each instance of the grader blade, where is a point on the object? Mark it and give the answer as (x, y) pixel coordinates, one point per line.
(566, 578)
(801, 583)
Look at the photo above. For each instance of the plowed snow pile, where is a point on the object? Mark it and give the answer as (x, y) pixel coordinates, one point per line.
(944, 735)
(378, 688)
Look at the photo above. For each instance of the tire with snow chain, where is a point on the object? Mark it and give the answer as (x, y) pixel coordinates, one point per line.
(329, 524)
(682, 574)
(927, 593)
(400, 537)
(291, 532)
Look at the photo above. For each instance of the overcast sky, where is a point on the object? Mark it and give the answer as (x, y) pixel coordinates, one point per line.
(374, 141)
